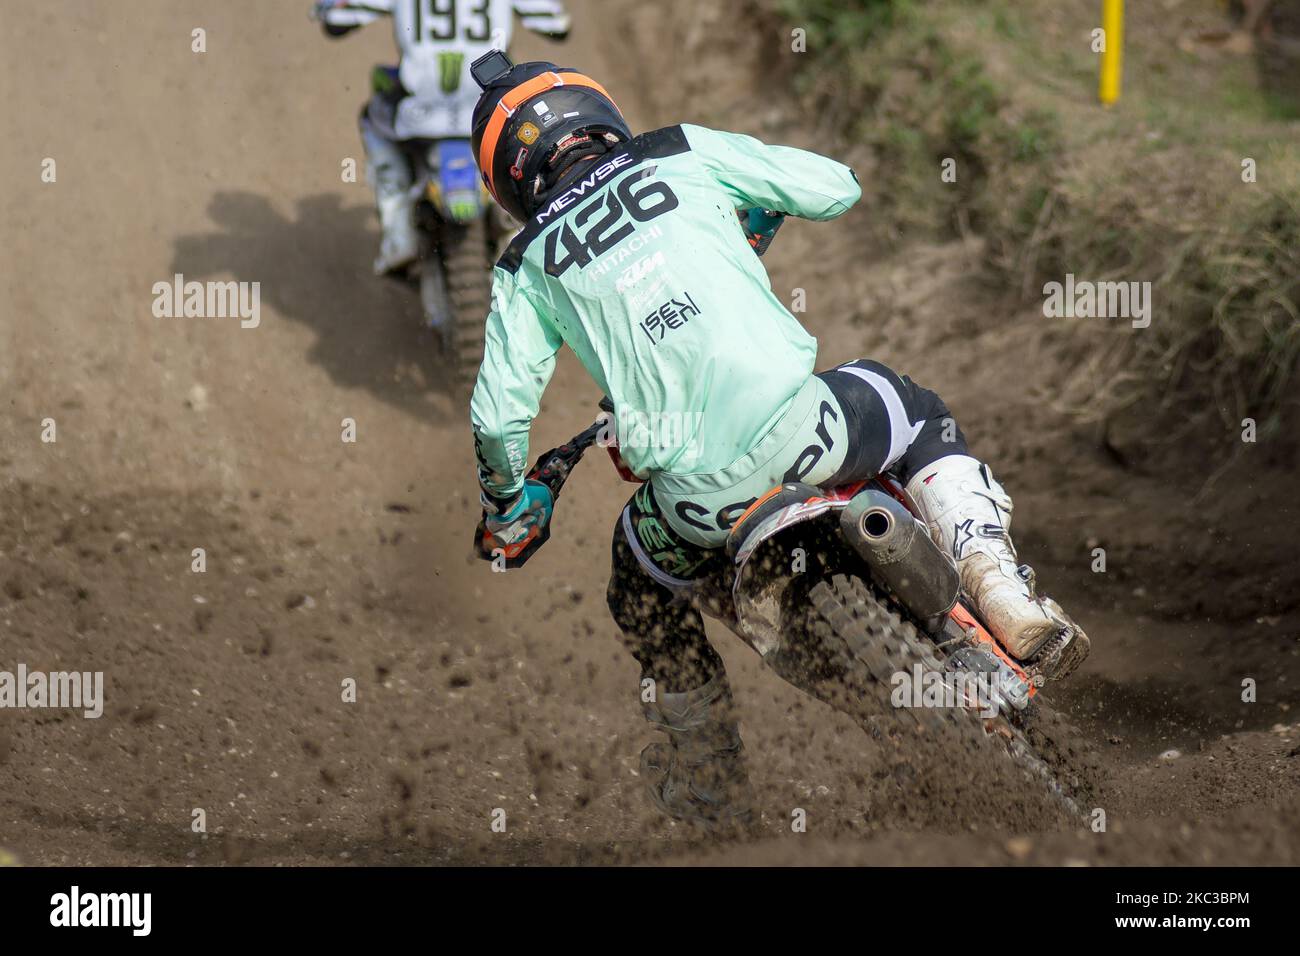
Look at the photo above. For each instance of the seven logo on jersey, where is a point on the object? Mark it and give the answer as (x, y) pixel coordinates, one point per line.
(672, 315)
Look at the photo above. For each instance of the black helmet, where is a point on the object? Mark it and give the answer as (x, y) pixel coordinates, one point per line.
(533, 123)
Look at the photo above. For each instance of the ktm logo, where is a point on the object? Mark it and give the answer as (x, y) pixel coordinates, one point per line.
(638, 271)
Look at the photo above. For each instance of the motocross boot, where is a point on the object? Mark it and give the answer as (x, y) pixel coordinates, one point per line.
(389, 171)
(699, 775)
(969, 514)
(400, 243)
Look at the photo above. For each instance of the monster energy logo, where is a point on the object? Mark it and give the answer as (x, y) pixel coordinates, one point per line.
(450, 65)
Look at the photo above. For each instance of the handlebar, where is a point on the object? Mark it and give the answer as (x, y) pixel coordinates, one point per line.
(552, 469)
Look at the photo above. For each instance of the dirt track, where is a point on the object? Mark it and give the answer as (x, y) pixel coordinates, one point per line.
(329, 560)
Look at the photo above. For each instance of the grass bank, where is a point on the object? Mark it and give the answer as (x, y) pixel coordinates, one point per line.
(1191, 182)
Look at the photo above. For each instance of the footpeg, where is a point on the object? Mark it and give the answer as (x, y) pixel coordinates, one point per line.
(1057, 658)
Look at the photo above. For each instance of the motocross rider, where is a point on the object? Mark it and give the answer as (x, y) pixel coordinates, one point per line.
(430, 94)
(633, 254)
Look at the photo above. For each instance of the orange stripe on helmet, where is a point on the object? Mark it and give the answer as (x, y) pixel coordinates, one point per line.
(515, 98)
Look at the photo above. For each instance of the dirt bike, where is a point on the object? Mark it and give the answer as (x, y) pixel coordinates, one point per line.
(873, 604)
(458, 238)
(868, 605)
(458, 230)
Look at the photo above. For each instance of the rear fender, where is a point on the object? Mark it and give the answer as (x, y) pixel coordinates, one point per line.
(757, 586)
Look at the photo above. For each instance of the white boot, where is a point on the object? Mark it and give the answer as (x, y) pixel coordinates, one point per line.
(401, 243)
(969, 515)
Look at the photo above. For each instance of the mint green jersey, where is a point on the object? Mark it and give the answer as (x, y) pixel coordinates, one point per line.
(643, 269)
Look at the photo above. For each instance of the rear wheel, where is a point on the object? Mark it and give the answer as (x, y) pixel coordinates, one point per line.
(855, 635)
(467, 260)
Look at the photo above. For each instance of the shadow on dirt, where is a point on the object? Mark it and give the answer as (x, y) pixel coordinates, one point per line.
(314, 268)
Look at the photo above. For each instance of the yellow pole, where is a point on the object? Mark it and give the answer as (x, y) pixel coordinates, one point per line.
(1112, 23)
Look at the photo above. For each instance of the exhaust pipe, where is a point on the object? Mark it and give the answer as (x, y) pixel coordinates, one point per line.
(901, 554)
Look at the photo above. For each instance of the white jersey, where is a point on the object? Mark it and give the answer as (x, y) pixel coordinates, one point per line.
(438, 40)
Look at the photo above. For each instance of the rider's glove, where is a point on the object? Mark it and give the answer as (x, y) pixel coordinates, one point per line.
(321, 7)
(760, 226)
(529, 513)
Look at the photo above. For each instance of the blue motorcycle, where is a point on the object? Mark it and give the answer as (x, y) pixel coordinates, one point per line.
(458, 228)
(459, 235)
